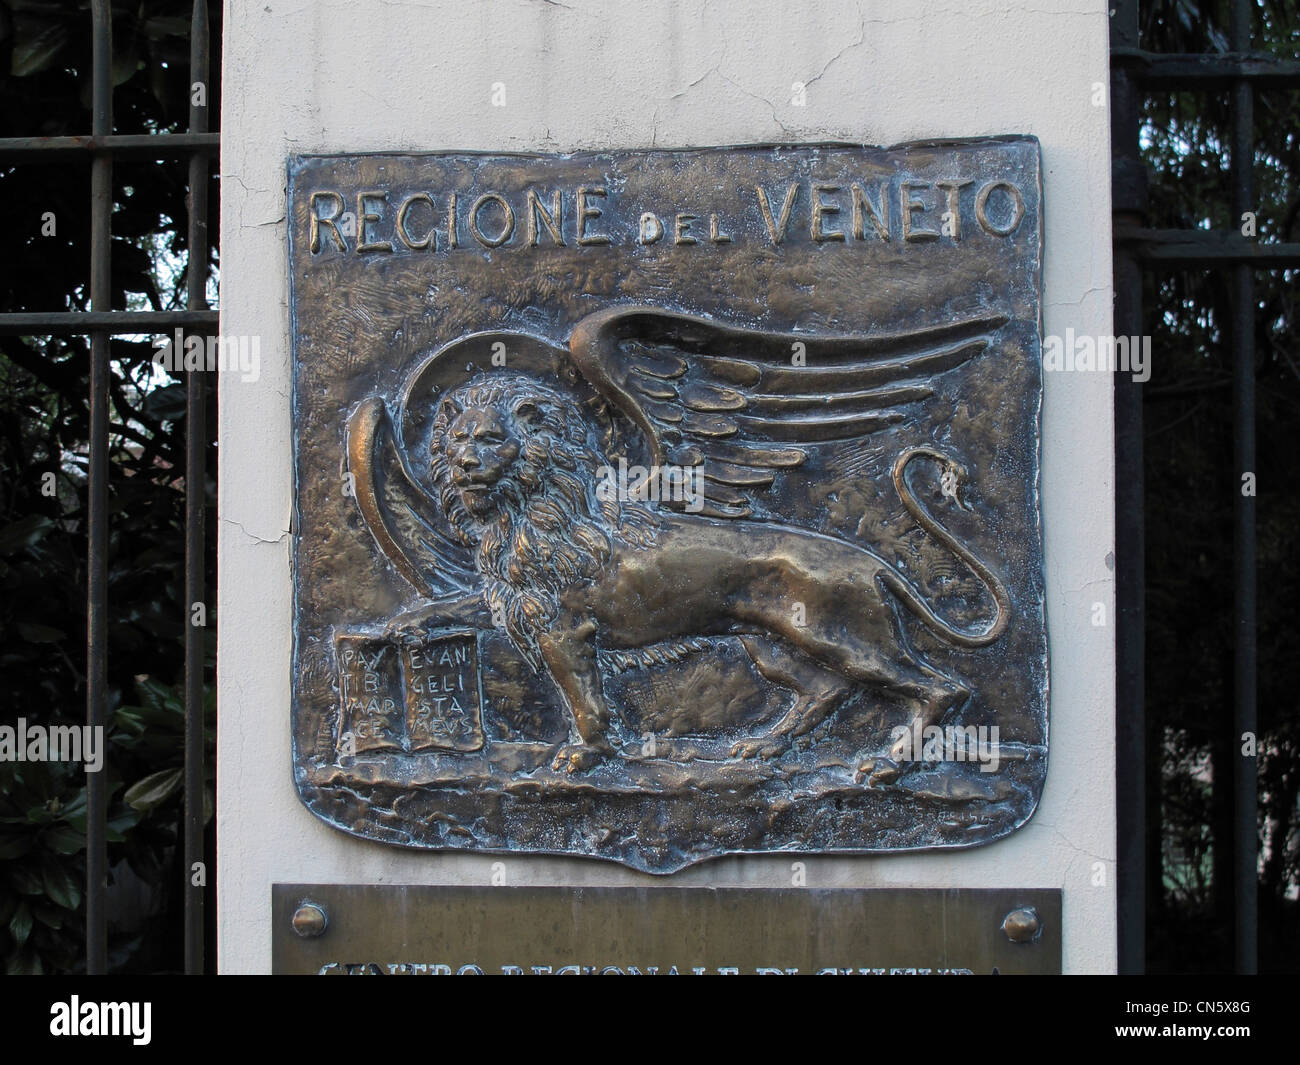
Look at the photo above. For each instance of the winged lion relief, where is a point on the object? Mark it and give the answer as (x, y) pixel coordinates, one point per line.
(654, 541)
(503, 522)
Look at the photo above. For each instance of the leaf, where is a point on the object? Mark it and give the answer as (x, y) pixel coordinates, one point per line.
(125, 64)
(159, 697)
(23, 533)
(118, 826)
(63, 839)
(166, 26)
(167, 404)
(74, 811)
(156, 788)
(49, 916)
(14, 846)
(60, 888)
(26, 880)
(36, 44)
(127, 719)
(33, 632)
(20, 924)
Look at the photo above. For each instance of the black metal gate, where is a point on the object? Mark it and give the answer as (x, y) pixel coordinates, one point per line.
(1242, 72)
(102, 145)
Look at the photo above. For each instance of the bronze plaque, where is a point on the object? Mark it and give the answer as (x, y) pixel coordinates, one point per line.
(657, 505)
(441, 931)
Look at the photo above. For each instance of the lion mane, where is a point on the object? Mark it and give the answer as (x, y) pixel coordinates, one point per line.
(549, 529)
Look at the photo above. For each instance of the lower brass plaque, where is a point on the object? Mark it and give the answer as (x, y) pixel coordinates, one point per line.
(344, 929)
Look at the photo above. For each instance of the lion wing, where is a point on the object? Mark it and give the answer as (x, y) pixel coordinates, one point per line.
(403, 518)
(734, 400)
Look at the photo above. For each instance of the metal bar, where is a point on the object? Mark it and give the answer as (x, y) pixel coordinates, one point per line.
(195, 498)
(1175, 248)
(1265, 257)
(1128, 207)
(146, 145)
(1243, 423)
(101, 213)
(112, 323)
(1259, 257)
(1192, 71)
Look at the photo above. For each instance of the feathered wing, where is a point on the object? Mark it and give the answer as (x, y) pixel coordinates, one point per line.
(401, 515)
(735, 400)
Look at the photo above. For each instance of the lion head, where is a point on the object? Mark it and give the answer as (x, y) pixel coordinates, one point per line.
(515, 472)
(502, 440)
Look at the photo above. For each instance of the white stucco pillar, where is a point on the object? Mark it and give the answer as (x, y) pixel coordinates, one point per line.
(362, 75)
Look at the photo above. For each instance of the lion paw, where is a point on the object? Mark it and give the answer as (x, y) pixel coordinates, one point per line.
(764, 747)
(400, 634)
(579, 757)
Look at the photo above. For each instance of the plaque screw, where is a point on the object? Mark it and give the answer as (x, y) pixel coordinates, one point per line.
(1021, 926)
(309, 920)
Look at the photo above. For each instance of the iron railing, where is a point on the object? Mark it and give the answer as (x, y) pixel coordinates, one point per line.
(101, 322)
(1137, 249)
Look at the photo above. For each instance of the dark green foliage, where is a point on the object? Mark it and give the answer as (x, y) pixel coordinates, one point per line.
(45, 67)
(1191, 485)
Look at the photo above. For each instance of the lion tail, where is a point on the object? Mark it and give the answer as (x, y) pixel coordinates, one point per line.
(908, 593)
